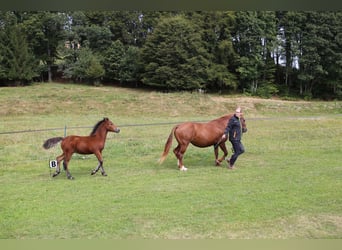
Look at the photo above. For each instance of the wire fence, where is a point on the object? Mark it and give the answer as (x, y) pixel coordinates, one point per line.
(65, 128)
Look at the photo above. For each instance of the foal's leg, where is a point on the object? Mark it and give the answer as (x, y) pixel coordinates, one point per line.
(100, 165)
(65, 165)
(59, 159)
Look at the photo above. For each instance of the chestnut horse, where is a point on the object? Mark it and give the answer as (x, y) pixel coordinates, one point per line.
(200, 135)
(92, 144)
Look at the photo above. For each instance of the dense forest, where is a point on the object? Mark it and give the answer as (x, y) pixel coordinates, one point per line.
(264, 53)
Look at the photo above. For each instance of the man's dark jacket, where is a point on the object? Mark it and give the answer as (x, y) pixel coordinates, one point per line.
(234, 129)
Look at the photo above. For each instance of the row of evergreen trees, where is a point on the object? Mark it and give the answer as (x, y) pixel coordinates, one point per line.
(258, 52)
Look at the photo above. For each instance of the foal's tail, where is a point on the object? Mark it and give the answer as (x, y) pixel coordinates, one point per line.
(52, 142)
(167, 145)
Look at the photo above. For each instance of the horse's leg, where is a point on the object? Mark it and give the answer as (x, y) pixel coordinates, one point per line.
(179, 152)
(59, 159)
(225, 151)
(217, 162)
(65, 164)
(176, 151)
(100, 165)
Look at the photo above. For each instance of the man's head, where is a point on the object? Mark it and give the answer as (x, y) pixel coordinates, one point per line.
(238, 112)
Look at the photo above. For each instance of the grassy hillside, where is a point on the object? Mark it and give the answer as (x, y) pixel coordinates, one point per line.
(286, 185)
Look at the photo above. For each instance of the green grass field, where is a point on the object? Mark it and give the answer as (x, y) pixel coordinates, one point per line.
(287, 185)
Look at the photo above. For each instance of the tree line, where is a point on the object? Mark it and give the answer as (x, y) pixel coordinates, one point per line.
(265, 53)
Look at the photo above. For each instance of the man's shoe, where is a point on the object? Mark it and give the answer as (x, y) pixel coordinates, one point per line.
(231, 167)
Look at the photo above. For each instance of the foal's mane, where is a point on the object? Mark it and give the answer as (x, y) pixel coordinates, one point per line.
(97, 125)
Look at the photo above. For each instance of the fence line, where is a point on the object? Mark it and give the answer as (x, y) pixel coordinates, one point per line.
(77, 127)
(152, 124)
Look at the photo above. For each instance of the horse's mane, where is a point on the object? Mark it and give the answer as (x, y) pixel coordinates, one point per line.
(225, 117)
(97, 125)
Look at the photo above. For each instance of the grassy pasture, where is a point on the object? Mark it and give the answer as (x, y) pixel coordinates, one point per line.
(286, 185)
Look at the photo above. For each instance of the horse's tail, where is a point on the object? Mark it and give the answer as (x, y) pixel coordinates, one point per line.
(52, 142)
(167, 145)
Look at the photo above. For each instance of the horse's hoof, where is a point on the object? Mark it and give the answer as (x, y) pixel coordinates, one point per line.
(93, 172)
(55, 174)
(71, 178)
(183, 168)
(104, 174)
(217, 163)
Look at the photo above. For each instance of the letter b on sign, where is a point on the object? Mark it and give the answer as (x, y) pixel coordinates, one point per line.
(53, 164)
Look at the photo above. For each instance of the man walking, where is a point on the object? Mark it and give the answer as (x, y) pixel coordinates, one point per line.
(234, 131)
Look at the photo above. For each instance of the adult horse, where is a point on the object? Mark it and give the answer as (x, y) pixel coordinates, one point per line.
(92, 144)
(200, 135)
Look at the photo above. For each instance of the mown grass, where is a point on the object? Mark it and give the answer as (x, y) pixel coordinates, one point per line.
(286, 185)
